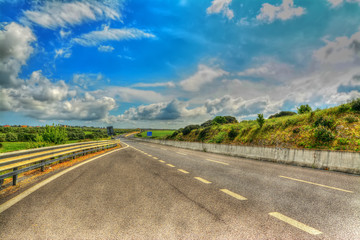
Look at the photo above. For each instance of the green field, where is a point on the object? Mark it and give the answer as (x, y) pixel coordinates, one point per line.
(157, 133)
(14, 146)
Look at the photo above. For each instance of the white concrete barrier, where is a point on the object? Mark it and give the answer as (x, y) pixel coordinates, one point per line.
(348, 162)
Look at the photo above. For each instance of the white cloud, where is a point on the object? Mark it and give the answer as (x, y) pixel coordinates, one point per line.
(62, 52)
(269, 70)
(86, 80)
(65, 34)
(105, 48)
(218, 6)
(285, 11)
(156, 84)
(341, 50)
(58, 14)
(203, 76)
(15, 49)
(96, 37)
(336, 3)
(126, 94)
(41, 98)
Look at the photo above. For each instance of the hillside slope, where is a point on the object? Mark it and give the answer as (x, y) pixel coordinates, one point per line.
(336, 128)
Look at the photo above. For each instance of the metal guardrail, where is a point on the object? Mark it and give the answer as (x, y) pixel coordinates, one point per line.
(29, 161)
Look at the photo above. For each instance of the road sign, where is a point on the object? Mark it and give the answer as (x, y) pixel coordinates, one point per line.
(149, 134)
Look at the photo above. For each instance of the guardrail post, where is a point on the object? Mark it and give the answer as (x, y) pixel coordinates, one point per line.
(1, 183)
(15, 177)
(43, 166)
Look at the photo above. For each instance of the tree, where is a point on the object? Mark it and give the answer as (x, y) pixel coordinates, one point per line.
(304, 109)
(260, 120)
(54, 134)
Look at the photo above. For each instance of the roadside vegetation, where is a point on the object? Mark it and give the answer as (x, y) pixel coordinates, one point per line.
(157, 134)
(13, 138)
(336, 128)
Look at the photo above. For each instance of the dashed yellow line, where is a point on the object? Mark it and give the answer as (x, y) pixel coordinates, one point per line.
(155, 158)
(170, 165)
(181, 153)
(295, 223)
(202, 180)
(224, 163)
(317, 184)
(235, 195)
(161, 161)
(183, 171)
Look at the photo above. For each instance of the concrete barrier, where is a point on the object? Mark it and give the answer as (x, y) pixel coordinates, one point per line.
(348, 162)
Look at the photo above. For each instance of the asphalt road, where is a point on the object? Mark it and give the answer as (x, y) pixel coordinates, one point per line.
(149, 191)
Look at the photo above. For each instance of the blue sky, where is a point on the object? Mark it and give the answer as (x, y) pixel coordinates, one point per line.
(166, 64)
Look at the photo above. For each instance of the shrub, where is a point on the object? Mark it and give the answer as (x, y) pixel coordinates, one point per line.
(296, 130)
(2, 137)
(189, 128)
(323, 135)
(324, 121)
(260, 120)
(1, 145)
(11, 137)
(54, 134)
(343, 108)
(208, 123)
(233, 133)
(282, 114)
(203, 133)
(219, 138)
(219, 120)
(355, 105)
(90, 136)
(230, 119)
(351, 119)
(304, 109)
(343, 141)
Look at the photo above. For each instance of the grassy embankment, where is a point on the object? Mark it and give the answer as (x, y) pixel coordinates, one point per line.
(156, 134)
(336, 128)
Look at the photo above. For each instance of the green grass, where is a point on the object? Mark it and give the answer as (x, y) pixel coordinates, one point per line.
(14, 146)
(158, 133)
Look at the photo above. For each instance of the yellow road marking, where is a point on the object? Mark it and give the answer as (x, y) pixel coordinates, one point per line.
(202, 180)
(149, 155)
(161, 161)
(181, 153)
(235, 195)
(155, 158)
(170, 165)
(26, 193)
(317, 184)
(295, 223)
(163, 148)
(217, 161)
(183, 171)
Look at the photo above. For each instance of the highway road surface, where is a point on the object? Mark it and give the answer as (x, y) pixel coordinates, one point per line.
(149, 191)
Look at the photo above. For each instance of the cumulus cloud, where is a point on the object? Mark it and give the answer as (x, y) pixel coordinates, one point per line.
(269, 70)
(156, 84)
(55, 14)
(126, 94)
(15, 49)
(162, 111)
(203, 76)
(41, 99)
(285, 11)
(336, 3)
(341, 50)
(221, 6)
(94, 38)
(105, 48)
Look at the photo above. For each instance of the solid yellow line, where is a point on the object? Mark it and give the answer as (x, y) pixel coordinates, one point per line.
(155, 158)
(170, 165)
(216, 161)
(295, 223)
(183, 171)
(235, 195)
(26, 193)
(202, 180)
(161, 161)
(317, 184)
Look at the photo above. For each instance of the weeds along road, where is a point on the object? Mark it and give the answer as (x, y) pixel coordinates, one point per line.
(149, 191)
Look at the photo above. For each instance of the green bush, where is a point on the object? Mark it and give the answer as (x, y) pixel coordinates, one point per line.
(89, 136)
(324, 121)
(233, 133)
(219, 120)
(260, 120)
(343, 108)
(351, 119)
(343, 141)
(54, 134)
(355, 105)
(304, 109)
(189, 128)
(2, 137)
(323, 135)
(11, 137)
(282, 114)
(219, 138)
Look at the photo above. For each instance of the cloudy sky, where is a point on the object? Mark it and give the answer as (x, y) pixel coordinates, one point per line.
(169, 63)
